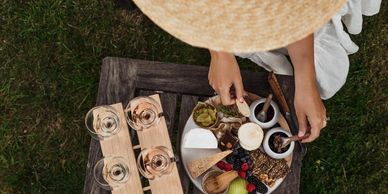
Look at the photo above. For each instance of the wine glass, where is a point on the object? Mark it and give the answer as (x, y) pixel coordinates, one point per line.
(155, 162)
(102, 122)
(143, 112)
(111, 172)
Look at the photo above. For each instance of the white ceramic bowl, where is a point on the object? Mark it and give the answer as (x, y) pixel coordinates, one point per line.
(272, 153)
(264, 125)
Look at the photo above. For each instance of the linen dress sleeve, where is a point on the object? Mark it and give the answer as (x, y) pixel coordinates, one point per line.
(332, 45)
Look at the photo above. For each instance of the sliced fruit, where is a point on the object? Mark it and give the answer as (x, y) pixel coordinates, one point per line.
(238, 186)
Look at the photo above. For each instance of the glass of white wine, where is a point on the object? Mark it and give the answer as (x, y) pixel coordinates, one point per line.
(102, 122)
(111, 172)
(155, 162)
(143, 112)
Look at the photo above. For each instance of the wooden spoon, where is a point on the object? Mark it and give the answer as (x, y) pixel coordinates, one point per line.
(287, 140)
(219, 184)
(262, 116)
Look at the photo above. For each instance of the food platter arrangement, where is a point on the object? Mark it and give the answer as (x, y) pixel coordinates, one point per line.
(239, 149)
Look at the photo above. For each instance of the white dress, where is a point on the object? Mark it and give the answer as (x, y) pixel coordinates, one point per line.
(332, 45)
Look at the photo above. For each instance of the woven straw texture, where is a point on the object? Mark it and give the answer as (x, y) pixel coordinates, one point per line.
(240, 25)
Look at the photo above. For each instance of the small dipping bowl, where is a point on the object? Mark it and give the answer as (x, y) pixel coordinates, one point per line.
(204, 105)
(272, 113)
(208, 174)
(272, 153)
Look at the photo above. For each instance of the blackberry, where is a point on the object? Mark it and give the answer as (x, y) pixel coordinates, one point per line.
(252, 179)
(230, 159)
(260, 187)
(235, 152)
(241, 150)
(249, 161)
(252, 192)
(249, 173)
(241, 155)
(237, 165)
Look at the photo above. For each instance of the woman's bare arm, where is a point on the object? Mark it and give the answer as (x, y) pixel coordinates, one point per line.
(308, 104)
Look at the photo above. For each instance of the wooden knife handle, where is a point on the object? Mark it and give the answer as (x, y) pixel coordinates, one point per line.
(277, 90)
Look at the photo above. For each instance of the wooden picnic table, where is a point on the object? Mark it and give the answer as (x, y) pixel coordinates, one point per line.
(180, 87)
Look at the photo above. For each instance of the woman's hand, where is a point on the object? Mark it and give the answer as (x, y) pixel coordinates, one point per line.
(224, 74)
(309, 107)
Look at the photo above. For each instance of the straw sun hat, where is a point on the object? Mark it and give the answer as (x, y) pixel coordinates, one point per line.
(240, 25)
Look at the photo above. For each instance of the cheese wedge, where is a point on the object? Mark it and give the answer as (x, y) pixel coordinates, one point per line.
(198, 167)
(200, 138)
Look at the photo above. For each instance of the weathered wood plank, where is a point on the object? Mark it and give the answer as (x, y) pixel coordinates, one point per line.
(117, 84)
(117, 81)
(187, 105)
(188, 79)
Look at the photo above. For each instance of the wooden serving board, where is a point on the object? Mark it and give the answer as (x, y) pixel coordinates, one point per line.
(158, 136)
(121, 145)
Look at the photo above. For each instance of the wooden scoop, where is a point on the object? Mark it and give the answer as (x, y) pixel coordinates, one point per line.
(287, 140)
(262, 115)
(219, 184)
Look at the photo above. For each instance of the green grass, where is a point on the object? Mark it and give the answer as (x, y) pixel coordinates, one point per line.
(51, 52)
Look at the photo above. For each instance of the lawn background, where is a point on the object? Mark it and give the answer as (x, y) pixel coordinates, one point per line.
(50, 58)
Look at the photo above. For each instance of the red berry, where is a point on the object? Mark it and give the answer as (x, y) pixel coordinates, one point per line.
(251, 187)
(228, 167)
(242, 174)
(221, 165)
(244, 166)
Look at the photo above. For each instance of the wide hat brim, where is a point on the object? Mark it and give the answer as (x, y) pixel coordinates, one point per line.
(240, 26)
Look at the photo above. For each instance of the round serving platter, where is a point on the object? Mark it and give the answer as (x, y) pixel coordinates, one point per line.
(188, 154)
